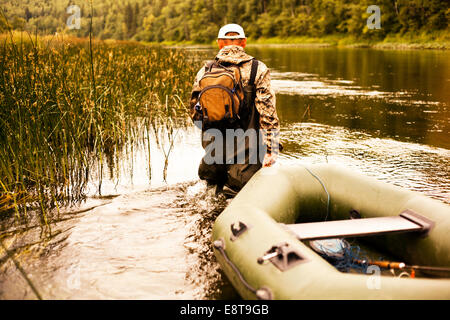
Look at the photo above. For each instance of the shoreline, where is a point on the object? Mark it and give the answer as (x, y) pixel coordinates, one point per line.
(437, 41)
(268, 43)
(377, 45)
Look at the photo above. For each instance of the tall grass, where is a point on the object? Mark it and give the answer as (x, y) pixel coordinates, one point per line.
(63, 112)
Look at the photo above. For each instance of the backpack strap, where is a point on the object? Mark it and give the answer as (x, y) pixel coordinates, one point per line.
(249, 92)
(209, 65)
(255, 63)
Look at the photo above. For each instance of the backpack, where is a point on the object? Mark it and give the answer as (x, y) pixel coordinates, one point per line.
(222, 96)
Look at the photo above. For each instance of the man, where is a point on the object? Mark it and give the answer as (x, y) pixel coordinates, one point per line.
(259, 116)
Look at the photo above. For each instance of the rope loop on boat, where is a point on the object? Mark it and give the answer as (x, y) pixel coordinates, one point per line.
(263, 293)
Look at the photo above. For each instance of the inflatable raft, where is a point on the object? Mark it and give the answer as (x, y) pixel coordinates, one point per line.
(261, 239)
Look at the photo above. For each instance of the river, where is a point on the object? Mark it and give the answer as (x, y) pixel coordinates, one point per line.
(385, 113)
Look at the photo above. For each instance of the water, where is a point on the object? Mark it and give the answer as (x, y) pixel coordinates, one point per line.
(384, 113)
(404, 95)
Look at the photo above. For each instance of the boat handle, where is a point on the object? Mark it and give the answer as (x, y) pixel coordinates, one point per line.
(237, 229)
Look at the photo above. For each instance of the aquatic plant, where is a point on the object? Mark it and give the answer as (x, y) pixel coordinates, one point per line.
(69, 105)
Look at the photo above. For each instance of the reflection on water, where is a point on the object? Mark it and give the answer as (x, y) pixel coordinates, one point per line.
(304, 87)
(385, 113)
(403, 95)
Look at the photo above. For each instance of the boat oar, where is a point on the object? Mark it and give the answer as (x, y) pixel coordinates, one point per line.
(339, 250)
(402, 266)
(383, 264)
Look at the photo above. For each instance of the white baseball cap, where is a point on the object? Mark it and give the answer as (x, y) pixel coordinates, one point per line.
(232, 27)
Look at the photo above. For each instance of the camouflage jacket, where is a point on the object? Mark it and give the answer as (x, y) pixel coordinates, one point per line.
(265, 96)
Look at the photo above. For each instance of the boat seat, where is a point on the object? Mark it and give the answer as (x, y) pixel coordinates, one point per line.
(407, 221)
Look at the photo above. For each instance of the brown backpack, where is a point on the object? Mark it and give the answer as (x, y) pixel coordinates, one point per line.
(221, 96)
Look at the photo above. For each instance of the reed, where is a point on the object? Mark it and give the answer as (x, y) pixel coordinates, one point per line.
(69, 104)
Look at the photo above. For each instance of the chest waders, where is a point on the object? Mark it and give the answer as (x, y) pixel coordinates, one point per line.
(242, 149)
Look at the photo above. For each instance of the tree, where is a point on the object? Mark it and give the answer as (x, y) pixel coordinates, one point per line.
(199, 20)
(28, 14)
(130, 20)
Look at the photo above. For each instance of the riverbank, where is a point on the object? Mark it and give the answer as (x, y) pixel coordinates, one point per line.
(437, 40)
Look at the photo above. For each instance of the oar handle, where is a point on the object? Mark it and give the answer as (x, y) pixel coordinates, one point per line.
(401, 265)
(426, 268)
(388, 264)
(384, 264)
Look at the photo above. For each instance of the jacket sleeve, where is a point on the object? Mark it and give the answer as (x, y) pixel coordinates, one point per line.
(194, 95)
(265, 103)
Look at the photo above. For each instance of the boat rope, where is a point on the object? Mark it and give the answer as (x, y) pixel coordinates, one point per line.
(262, 294)
(324, 188)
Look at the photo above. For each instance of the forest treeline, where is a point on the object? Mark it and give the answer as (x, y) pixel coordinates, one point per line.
(199, 20)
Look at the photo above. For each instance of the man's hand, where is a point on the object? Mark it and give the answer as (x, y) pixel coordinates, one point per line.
(269, 159)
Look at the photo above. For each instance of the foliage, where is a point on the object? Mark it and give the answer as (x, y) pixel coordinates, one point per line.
(199, 20)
